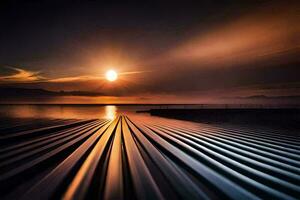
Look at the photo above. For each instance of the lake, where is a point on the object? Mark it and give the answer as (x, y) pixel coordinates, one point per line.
(70, 111)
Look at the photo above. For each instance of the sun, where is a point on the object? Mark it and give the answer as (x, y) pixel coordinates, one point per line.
(111, 75)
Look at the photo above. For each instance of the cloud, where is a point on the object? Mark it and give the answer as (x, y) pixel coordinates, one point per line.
(252, 37)
(21, 75)
(75, 79)
(134, 72)
(90, 78)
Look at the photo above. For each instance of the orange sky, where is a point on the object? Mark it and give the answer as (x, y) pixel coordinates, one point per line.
(249, 53)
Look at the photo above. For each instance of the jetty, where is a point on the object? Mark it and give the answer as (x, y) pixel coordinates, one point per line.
(143, 157)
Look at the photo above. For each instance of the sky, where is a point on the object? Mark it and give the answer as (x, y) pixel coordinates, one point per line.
(205, 52)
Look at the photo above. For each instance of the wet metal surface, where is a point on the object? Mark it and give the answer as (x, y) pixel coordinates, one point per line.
(142, 157)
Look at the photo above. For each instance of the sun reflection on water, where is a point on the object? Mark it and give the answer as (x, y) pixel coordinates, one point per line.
(110, 112)
(69, 111)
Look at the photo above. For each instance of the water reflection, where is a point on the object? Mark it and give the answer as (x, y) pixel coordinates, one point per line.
(68, 111)
(110, 112)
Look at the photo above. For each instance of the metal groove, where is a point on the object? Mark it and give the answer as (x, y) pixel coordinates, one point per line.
(140, 157)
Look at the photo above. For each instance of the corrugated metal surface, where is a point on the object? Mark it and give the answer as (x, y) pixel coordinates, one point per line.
(146, 158)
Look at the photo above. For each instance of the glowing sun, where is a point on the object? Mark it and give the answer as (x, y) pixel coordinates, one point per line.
(111, 75)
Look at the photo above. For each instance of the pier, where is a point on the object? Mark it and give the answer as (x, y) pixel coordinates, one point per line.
(143, 157)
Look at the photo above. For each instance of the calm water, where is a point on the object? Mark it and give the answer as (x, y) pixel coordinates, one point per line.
(68, 111)
(83, 111)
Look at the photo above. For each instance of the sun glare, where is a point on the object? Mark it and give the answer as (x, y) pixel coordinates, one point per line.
(111, 75)
(110, 112)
